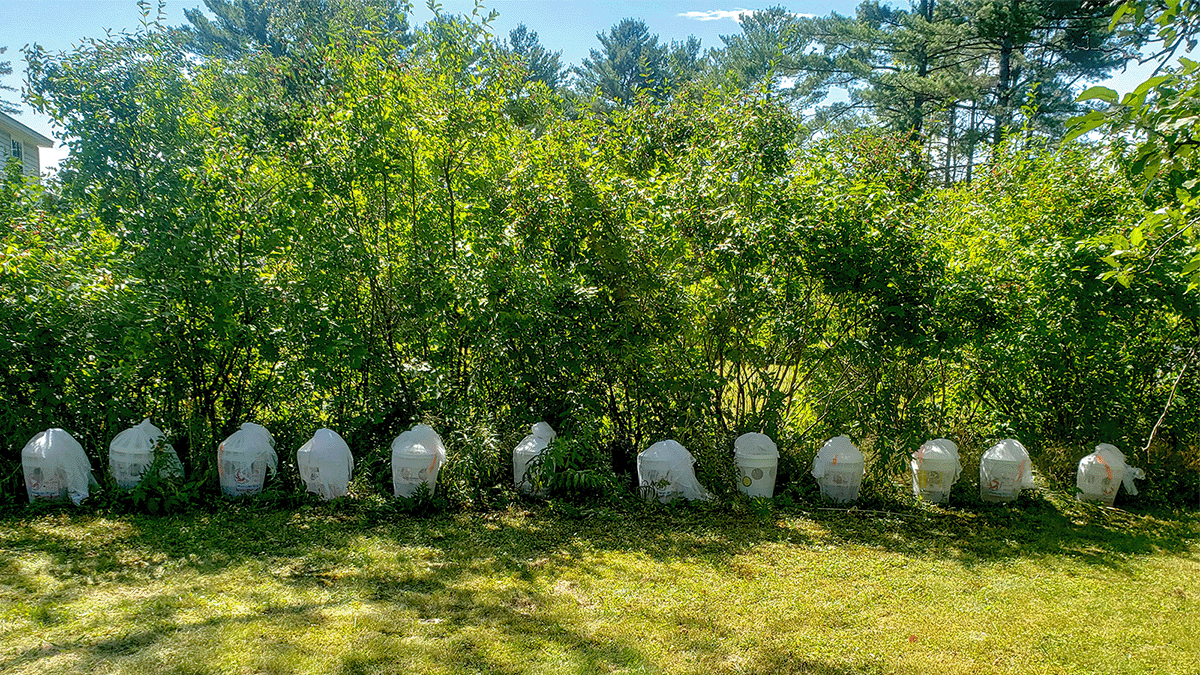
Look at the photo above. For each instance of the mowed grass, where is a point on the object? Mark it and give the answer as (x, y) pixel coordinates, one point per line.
(1045, 586)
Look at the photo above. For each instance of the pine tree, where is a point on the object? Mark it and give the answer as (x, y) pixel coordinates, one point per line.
(685, 62)
(630, 61)
(951, 73)
(773, 54)
(542, 64)
(281, 27)
(1040, 50)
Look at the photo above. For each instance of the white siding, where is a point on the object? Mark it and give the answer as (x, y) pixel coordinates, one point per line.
(30, 162)
(26, 139)
(30, 155)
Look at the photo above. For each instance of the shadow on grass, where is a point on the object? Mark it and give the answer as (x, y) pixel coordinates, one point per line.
(433, 558)
(1038, 525)
(307, 542)
(126, 644)
(443, 627)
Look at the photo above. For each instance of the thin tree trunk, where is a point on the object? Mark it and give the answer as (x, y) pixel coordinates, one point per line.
(1003, 91)
(950, 144)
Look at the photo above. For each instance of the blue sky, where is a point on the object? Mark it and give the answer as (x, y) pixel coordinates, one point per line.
(566, 25)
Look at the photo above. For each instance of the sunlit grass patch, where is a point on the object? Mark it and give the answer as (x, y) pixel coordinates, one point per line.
(1053, 587)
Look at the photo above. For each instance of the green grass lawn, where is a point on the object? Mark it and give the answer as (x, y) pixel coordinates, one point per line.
(1045, 586)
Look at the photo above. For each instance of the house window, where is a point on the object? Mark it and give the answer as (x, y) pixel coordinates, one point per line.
(16, 149)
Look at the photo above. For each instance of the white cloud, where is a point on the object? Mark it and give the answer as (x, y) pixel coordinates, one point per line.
(717, 14)
(734, 14)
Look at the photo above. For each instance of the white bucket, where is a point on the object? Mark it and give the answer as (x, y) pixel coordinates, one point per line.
(1098, 482)
(132, 452)
(657, 482)
(325, 464)
(1004, 470)
(757, 459)
(244, 458)
(521, 462)
(665, 471)
(417, 456)
(530, 447)
(55, 467)
(1000, 480)
(757, 475)
(935, 468)
(410, 469)
(1102, 473)
(838, 468)
(842, 481)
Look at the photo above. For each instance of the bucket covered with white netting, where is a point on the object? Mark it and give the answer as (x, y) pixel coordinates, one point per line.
(665, 473)
(417, 456)
(935, 469)
(133, 451)
(838, 468)
(1003, 471)
(325, 464)
(245, 459)
(532, 446)
(1101, 474)
(757, 460)
(56, 468)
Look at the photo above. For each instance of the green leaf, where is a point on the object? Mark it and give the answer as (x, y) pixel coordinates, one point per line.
(1122, 10)
(1099, 92)
(1148, 84)
(1084, 124)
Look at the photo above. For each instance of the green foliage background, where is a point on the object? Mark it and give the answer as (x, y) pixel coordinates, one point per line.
(372, 228)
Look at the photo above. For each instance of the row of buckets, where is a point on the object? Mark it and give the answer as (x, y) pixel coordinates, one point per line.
(665, 471)
(56, 467)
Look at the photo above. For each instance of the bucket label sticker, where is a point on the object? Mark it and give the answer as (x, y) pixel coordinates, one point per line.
(42, 486)
(247, 478)
(930, 479)
(407, 474)
(1108, 488)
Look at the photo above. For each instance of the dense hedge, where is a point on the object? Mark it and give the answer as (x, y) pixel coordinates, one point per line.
(421, 236)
